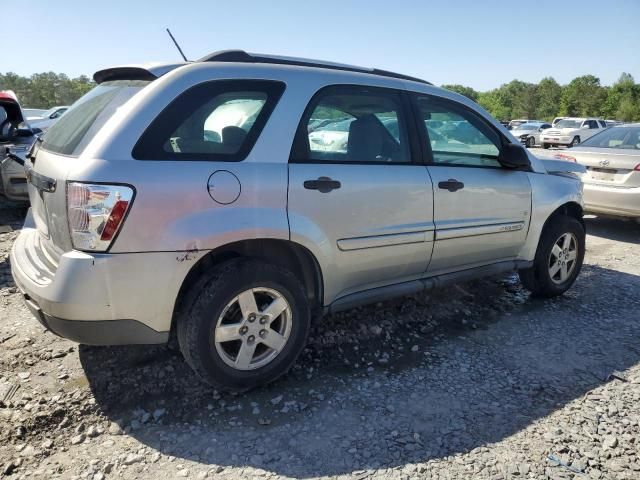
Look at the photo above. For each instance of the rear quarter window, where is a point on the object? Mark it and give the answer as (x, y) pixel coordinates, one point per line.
(79, 125)
(219, 120)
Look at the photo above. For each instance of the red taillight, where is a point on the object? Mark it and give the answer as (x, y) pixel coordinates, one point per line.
(117, 214)
(564, 156)
(95, 213)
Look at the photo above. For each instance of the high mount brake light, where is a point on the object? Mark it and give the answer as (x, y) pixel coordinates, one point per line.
(95, 213)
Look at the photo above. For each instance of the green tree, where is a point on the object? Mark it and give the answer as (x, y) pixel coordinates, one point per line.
(583, 97)
(462, 90)
(549, 94)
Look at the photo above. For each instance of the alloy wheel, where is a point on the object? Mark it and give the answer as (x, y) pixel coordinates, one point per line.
(562, 260)
(253, 328)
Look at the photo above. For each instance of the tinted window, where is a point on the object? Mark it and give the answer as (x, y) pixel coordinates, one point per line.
(456, 135)
(616, 137)
(354, 125)
(602, 123)
(593, 124)
(80, 124)
(219, 120)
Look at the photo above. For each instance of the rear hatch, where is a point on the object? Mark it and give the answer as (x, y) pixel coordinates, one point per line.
(57, 153)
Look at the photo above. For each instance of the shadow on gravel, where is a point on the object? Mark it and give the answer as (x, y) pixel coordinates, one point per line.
(618, 229)
(387, 385)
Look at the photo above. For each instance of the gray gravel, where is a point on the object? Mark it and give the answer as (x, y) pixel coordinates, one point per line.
(472, 381)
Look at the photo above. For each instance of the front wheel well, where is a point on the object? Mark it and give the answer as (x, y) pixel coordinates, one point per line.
(285, 253)
(569, 209)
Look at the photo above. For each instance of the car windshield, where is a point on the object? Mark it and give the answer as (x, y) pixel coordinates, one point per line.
(527, 126)
(616, 137)
(569, 124)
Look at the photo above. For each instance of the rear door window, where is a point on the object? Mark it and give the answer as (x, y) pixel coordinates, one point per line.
(79, 125)
(218, 120)
(353, 124)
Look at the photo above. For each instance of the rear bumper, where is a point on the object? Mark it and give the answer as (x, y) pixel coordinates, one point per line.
(14, 181)
(101, 299)
(97, 332)
(611, 200)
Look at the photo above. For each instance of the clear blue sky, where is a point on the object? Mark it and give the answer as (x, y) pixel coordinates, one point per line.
(479, 43)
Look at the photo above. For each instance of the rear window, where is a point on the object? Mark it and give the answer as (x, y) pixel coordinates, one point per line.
(80, 124)
(616, 137)
(218, 120)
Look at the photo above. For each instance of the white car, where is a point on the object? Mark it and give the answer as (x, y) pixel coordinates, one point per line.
(529, 133)
(571, 131)
(48, 118)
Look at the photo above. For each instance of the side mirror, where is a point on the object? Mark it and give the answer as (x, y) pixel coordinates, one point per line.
(585, 127)
(515, 157)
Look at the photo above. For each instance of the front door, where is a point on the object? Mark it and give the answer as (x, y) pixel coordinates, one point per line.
(355, 195)
(481, 209)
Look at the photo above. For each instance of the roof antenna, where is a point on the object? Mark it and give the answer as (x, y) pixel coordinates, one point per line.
(177, 46)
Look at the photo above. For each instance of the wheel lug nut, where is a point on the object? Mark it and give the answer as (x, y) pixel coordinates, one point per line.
(252, 317)
(264, 319)
(243, 330)
(263, 333)
(251, 338)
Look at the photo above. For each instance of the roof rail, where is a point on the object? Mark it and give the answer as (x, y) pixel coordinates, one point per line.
(240, 56)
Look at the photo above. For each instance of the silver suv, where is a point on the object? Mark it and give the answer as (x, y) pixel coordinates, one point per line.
(230, 200)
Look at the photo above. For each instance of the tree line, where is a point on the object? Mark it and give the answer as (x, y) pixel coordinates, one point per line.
(582, 97)
(46, 90)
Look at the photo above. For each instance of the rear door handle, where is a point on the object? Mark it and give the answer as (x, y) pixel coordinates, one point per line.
(322, 184)
(452, 185)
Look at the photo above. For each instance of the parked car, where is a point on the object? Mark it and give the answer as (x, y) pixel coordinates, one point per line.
(569, 132)
(15, 139)
(33, 113)
(613, 123)
(48, 118)
(515, 123)
(140, 225)
(612, 179)
(529, 133)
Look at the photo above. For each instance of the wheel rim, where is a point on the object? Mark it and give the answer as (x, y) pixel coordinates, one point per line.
(531, 141)
(253, 328)
(575, 141)
(562, 260)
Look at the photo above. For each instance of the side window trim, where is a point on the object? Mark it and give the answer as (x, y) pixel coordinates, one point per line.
(405, 116)
(423, 133)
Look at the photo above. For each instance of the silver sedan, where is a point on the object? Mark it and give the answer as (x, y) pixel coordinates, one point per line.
(612, 179)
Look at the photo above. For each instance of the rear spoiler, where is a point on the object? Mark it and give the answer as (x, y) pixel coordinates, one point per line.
(147, 72)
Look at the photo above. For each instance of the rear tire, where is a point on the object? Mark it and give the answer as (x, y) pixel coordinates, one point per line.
(232, 349)
(556, 265)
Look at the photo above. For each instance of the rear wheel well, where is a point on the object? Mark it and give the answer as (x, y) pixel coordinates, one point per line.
(289, 255)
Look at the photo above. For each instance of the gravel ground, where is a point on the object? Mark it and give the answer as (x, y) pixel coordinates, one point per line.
(472, 381)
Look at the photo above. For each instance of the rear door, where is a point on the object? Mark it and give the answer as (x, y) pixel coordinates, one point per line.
(355, 192)
(481, 210)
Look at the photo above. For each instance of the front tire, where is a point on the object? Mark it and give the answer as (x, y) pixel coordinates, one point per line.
(575, 142)
(244, 325)
(531, 142)
(558, 259)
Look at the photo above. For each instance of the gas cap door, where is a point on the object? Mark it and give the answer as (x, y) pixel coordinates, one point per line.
(224, 187)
